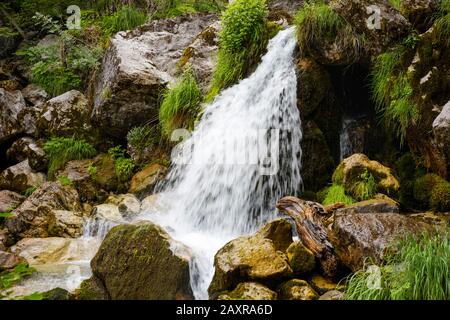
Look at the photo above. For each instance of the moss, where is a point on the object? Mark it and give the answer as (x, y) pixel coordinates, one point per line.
(423, 187)
(300, 258)
(91, 289)
(440, 196)
(336, 193)
(338, 175)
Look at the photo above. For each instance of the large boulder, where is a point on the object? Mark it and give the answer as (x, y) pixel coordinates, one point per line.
(27, 148)
(20, 177)
(11, 103)
(358, 238)
(371, 206)
(142, 262)
(10, 200)
(393, 26)
(253, 258)
(138, 66)
(37, 216)
(300, 258)
(249, 291)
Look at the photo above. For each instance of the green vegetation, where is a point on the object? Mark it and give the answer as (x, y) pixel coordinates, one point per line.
(420, 270)
(365, 188)
(442, 21)
(173, 8)
(335, 194)
(61, 150)
(316, 21)
(124, 166)
(242, 40)
(29, 191)
(180, 105)
(126, 18)
(6, 214)
(65, 181)
(140, 138)
(92, 170)
(9, 278)
(397, 4)
(432, 191)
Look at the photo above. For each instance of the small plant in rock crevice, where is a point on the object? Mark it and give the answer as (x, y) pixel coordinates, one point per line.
(124, 166)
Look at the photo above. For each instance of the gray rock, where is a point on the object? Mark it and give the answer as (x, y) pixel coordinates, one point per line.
(332, 295)
(441, 131)
(20, 177)
(249, 291)
(371, 206)
(34, 95)
(9, 200)
(27, 148)
(11, 103)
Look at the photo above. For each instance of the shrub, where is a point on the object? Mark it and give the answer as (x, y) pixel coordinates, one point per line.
(335, 194)
(242, 40)
(173, 8)
(61, 150)
(317, 21)
(180, 104)
(126, 18)
(420, 270)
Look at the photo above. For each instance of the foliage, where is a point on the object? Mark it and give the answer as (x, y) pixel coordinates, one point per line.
(442, 22)
(29, 191)
(440, 196)
(9, 278)
(335, 194)
(142, 137)
(423, 187)
(242, 40)
(420, 270)
(124, 166)
(126, 18)
(45, 23)
(92, 170)
(65, 181)
(180, 105)
(6, 214)
(397, 4)
(60, 150)
(317, 21)
(365, 188)
(173, 8)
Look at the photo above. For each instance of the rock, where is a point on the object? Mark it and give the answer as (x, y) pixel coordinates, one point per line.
(35, 216)
(418, 12)
(138, 66)
(434, 218)
(349, 172)
(105, 176)
(11, 103)
(34, 95)
(441, 132)
(249, 291)
(141, 257)
(150, 203)
(358, 237)
(393, 26)
(92, 289)
(144, 182)
(27, 148)
(57, 294)
(77, 171)
(279, 231)
(127, 204)
(28, 119)
(9, 260)
(9, 200)
(66, 115)
(332, 295)
(290, 6)
(107, 211)
(300, 258)
(296, 289)
(66, 224)
(323, 285)
(9, 42)
(20, 177)
(3, 239)
(252, 258)
(371, 206)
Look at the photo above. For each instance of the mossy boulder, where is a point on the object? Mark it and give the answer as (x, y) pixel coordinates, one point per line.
(322, 285)
(296, 289)
(300, 258)
(431, 191)
(142, 262)
(440, 197)
(91, 289)
(249, 291)
(355, 169)
(28, 148)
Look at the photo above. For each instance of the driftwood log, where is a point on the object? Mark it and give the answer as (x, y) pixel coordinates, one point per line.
(312, 232)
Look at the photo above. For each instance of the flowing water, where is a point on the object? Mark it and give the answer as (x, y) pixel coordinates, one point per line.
(241, 158)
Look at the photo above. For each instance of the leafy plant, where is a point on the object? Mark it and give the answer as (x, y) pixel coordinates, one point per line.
(365, 188)
(60, 150)
(142, 137)
(9, 278)
(335, 194)
(126, 18)
(180, 104)
(65, 181)
(92, 170)
(29, 191)
(124, 166)
(173, 8)
(419, 270)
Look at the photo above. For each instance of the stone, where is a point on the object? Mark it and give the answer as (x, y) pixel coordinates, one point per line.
(20, 177)
(332, 295)
(9, 260)
(137, 262)
(57, 294)
(35, 216)
(77, 171)
(279, 231)
(300, 258)
(251, 258)
(143, 183)
(34, 95)
(107, 211)
(151, 203)
(105, 176)
(66, 224)
(441, 133)
(371, 206)
(323, 285)
(28, 120)
(28, 148)
(296, 289)
(358, 237)
(249, 291)
(418, 12)
(10, 200)
(127, 204)
(11, 103)
(9, 42)
(92, 289)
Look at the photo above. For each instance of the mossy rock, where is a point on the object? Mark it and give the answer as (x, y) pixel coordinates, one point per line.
(91, 289)
(300, 258)
(423, 187)
(440, 196)
(249, 291)
(296, 289)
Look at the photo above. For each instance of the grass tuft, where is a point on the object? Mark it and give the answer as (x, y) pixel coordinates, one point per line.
(126, 18)
(335, 194)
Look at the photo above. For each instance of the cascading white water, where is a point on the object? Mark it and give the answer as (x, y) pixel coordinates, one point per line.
(241, 158)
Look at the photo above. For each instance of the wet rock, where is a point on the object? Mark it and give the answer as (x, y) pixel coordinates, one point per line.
(127, 204)
(300, 258)
(371, 206)
(57, 294)
(150, 203)
(66, 224)
(296, 289)
(249, 291)
(77, 171)
(9, 200)
(34, 95)
(92, 289)
(144, 182)
(322, 285)
(332, 295)
(358, 237)
(34, 217)
(27, 148)
(252, 258)
(140, 262)
(20, 177)
(11, 103)
(9, 260)
(279, 231)
(107, 211)
(105, 175)
(441, 132)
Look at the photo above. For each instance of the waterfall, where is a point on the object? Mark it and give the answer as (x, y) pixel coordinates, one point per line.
(352, 136)
(243, 155)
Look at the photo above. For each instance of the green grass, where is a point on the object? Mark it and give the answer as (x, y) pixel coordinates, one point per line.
(242, 40)
(365, 188)
(420, 270)
(180, 105)
(29, 191)
(65, 181)
(126, 18)
(335, 194)
(442, 21)
(124, 166)
(316, 22)
(397, 4)
(60, 150)
(174, 8)
(142, 137)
